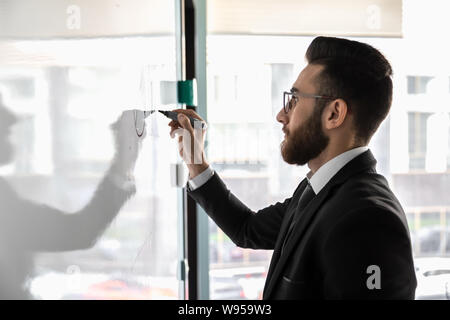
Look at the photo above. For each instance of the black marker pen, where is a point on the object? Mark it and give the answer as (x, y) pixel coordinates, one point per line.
(174, 116)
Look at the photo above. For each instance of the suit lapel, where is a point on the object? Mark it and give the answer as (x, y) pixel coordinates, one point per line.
(363, 162)
(290, 215)
(304, 220)
(284, 228)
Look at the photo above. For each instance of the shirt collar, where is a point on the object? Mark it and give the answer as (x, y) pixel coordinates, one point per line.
(319, 179)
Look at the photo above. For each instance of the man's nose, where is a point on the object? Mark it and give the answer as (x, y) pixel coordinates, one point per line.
(282, 117)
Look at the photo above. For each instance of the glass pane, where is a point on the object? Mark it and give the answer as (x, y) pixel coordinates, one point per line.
(244, 151)
(73, 227)
(244, 138)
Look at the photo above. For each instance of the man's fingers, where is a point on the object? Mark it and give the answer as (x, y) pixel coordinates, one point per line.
(173, 124)
(188, 112)
(184, 121)
(172, 133)
(174, 127)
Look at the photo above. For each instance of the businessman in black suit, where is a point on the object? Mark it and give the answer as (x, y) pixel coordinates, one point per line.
(343, 233)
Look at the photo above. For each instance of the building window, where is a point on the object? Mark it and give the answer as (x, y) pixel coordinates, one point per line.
(418, 84)
(417, 144)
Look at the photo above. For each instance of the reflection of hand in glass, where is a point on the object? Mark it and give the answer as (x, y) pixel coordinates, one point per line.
(127, 144)
(27, 227)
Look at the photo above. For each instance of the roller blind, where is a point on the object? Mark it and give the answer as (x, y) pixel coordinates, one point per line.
(84, 18)
(306, 17)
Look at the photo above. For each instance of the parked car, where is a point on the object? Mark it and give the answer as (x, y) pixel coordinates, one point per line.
(245, 283)
(432, 240)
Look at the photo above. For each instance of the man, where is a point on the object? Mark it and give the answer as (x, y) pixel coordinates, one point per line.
(27, 227)
(342, 234)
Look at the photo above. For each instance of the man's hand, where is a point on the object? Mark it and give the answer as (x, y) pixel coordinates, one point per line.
(190, 141)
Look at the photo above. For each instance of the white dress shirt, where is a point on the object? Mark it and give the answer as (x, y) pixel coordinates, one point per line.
(200, 179)
(330, 168)
(317, 181)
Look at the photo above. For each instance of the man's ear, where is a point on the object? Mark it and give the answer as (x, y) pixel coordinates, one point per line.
(335, 114)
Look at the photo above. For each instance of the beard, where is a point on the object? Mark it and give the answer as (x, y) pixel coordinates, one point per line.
(305, 142)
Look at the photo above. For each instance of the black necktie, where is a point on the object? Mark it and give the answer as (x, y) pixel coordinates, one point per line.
(307, 195)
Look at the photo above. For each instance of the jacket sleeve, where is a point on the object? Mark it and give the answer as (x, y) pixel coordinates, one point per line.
(37, 227)
(368, 255)
(247, 229)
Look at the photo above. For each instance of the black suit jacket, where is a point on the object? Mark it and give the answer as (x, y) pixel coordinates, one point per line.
(353, 223)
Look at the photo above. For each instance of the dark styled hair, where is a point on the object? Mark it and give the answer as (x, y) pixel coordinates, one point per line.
(357, 73)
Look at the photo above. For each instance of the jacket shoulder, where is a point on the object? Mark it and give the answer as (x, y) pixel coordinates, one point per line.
(367, 192)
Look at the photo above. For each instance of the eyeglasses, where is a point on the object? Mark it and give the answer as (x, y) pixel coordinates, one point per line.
(291, 98)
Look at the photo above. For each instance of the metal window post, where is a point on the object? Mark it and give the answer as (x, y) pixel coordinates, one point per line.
(202, 218)
(196, 220)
